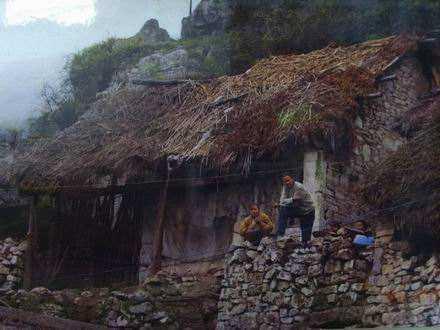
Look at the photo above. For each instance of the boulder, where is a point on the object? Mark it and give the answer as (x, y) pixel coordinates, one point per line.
(177, 64)
(143, 308)
(151, 33)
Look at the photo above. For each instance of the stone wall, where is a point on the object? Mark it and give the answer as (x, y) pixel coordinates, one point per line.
(11, 264)
(279, 284)
(402, 290)
(166, 301)
(376, 135)
(161, 302)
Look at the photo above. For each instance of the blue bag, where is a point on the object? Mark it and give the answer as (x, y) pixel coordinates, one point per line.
(363, 240)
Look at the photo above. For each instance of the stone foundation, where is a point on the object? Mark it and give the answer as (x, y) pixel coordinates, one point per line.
(331, 284)
(11, 264)
(161, 302)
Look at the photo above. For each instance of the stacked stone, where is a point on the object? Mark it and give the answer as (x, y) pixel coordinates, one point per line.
(402, 291)
(11, 264)
(162, 302)
(282, 285)
(375, 135)
(341, 289)
(100, 306)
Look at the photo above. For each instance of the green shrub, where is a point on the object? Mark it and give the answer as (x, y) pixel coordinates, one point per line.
(153, 70)
(42, 126)
(90, 71)
(293, 116)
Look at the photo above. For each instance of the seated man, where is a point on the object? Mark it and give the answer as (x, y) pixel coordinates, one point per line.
(256, 225)
(296, 202)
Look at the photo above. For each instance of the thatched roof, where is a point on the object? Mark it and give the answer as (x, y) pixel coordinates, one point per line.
(223, 122)
(407, 183)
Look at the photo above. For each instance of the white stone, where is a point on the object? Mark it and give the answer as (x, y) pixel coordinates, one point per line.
(416, 286)
(14, 260)
(285, 276)
(343, 287)
(307, 292)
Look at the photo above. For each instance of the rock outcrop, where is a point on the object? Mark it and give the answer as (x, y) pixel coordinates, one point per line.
(176, 64)
(210, 17)
(151, 33)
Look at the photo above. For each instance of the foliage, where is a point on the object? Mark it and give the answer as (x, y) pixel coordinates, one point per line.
(213, 52)
(91, 70)
(42, 126)
(299, 26)
(153, 70)
(291, 117)
(60, 110)
(256, 29)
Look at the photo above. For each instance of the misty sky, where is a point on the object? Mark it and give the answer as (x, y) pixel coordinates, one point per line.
(36, 37)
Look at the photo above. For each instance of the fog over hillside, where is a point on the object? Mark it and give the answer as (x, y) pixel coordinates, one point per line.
(37, 36)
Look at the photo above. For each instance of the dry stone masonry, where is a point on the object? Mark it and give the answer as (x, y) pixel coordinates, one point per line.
(161, 302)
(277, 285)
(280, 285)
(402, 290)
(377, 135)
(11, 264)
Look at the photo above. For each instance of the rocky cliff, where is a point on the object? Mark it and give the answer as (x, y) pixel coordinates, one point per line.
(209, 18)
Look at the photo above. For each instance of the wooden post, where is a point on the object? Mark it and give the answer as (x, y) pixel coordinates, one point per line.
(190, 7)
(31, 245)
(158, 233)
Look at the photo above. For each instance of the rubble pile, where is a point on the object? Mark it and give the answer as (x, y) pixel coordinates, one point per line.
(162, 302)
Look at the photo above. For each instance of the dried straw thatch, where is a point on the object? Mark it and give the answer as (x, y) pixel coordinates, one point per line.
(407, 183)
(229, 120)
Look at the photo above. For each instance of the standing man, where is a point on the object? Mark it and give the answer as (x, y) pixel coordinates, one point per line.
(296, 202)
(256, 225)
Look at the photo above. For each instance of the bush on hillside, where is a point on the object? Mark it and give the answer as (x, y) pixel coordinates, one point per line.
(90, 71)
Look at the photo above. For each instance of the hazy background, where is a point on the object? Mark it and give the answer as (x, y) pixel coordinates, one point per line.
(36, 37)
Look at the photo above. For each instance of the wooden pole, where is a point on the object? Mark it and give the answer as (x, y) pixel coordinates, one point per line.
(158, 233)
(31, 244)
(190, 7)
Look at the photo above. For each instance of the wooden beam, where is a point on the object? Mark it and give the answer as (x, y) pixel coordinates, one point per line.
(156, 185)
(158, 233)
(373, 96)
(393, 62)
(31, 238)
(149, 82)
(387, 78)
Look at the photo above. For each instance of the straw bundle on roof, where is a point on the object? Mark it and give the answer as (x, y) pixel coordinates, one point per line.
(229, 120)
